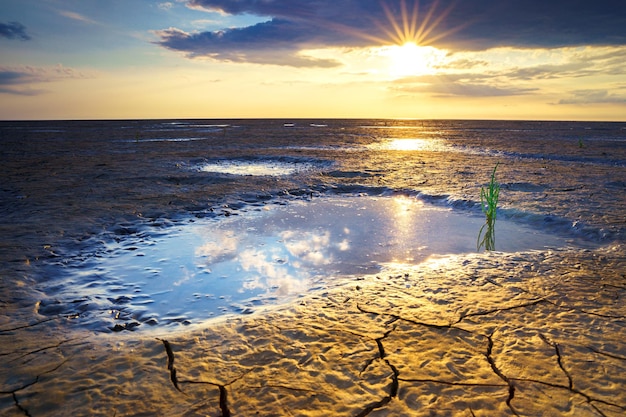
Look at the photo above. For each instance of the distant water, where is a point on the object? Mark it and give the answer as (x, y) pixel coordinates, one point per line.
(237, 251)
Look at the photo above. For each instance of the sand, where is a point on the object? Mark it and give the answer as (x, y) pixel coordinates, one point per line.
(491, 334)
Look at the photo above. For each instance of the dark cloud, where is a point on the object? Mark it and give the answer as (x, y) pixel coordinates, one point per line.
(12, 77)
(241, 45)
(16, 82)
(20, 79)
(459, 25)
(542, 23)
(13, 30)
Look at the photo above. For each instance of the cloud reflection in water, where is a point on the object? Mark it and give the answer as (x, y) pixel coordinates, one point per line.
(264, 256)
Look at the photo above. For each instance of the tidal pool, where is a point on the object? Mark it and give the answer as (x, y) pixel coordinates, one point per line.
(270, 254)
(257, 168)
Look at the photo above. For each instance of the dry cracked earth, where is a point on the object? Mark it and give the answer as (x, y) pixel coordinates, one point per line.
(526, 334)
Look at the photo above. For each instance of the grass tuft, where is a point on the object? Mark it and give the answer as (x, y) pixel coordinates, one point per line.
(489, 203)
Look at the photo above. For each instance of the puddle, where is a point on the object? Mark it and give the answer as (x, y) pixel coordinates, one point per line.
(270, 254)
(140, 140)
(257, 168)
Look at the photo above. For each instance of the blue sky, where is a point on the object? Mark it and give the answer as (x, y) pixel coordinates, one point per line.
(488, 59)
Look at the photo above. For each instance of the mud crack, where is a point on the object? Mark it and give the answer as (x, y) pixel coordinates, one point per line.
(395, 384)
(608, 355)
(559, 360)
(19, 406)
(451, 383)
(590, 400)
(570, 381)
(27, 326)
(583, 311)
(393, 392)
(499, 373)
(174, 378)
(43, 349)
(223, 400)
(498, 310)
(395, 317)
(23, 387)
(170, 363)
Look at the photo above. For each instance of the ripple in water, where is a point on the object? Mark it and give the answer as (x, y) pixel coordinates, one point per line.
(270, 255)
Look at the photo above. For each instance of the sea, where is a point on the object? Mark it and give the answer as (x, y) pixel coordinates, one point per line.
(127, 225)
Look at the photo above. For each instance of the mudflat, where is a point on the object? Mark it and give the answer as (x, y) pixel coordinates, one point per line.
(531, 333)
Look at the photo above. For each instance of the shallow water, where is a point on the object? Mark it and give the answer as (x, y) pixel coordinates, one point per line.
(84, 205)
(272, 254)
(258, 167)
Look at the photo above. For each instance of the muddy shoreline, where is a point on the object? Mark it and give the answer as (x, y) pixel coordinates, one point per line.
(534, 333)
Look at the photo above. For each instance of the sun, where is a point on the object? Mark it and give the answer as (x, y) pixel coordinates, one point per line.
(403, 45)
(411, 59)
(410, 33)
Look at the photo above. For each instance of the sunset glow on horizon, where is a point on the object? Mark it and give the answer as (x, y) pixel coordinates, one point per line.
(295, 59)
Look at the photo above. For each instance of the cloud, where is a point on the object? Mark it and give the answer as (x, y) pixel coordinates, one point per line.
(14, 30)
(539, 23)
(18, 80)
(165, 5)
(551, 71)
(465, 64)
(460, 85)
(294, 25)
(514, 72)
(444, 87)
(78, 17)
(578, 63)
(594, 97)
(11, 83)
(240, 45)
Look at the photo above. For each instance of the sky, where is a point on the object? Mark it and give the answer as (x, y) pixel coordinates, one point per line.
(429, 59)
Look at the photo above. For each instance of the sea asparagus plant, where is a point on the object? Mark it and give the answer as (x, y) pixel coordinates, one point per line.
(489, 202)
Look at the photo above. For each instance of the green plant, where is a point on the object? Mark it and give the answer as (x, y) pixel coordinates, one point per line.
(488, 203)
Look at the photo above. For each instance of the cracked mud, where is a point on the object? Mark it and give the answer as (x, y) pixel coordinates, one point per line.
(452, 336)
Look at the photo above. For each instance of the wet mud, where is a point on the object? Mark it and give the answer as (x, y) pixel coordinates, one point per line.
(527, 333)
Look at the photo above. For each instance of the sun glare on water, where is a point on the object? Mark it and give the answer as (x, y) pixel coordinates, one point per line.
(409, 144)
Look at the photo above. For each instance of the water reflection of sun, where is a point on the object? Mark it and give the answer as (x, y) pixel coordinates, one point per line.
(405, 213)
(409, 144)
